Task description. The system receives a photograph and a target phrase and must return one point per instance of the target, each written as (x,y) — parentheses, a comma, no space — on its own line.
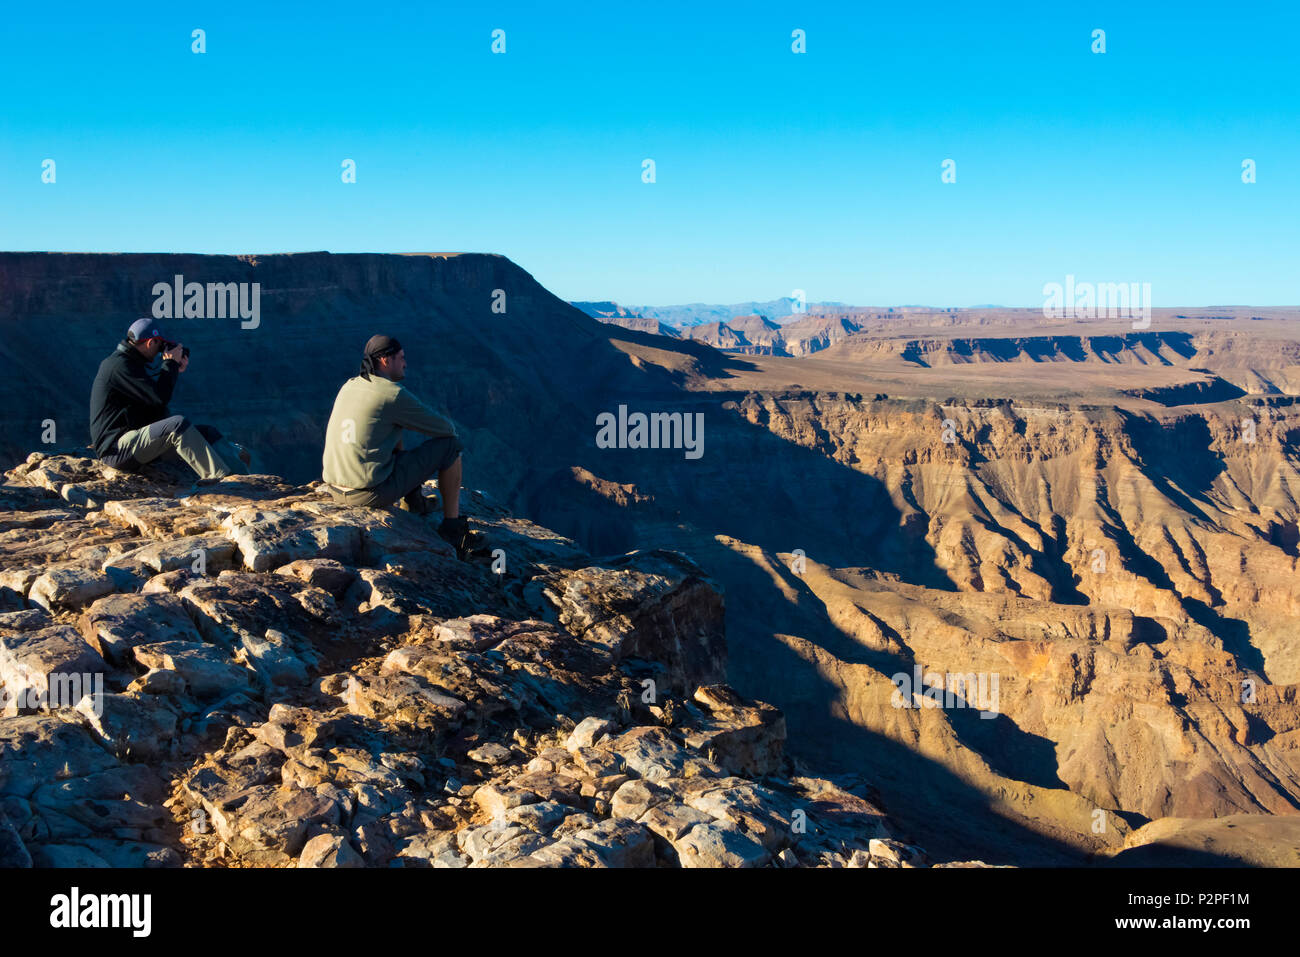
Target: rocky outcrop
(245,674)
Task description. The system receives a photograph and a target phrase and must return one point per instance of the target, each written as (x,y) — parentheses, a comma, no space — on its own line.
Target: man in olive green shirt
(364,463)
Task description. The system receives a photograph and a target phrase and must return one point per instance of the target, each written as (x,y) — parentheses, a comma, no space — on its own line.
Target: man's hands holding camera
(179,354)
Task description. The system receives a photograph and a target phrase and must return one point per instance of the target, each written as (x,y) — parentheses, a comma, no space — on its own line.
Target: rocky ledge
(244,673)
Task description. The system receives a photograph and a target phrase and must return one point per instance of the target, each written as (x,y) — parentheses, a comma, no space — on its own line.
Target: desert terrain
(1103,519)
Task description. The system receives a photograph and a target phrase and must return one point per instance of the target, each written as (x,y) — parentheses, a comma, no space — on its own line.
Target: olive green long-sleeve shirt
(365,426)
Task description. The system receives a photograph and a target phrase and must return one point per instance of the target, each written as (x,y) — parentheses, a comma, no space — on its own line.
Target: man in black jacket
(130,424)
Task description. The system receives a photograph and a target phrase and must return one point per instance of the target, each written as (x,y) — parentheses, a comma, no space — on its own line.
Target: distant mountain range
(770,328)
(700,313)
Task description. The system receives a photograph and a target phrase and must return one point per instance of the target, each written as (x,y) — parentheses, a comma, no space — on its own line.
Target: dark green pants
(411,469)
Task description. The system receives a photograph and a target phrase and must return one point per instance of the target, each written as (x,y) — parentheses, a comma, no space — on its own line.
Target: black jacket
(125,396)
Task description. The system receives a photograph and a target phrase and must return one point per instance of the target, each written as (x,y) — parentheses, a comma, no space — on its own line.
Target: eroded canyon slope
(1104,519)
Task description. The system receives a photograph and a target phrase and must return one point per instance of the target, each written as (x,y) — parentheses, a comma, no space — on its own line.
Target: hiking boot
(456,531)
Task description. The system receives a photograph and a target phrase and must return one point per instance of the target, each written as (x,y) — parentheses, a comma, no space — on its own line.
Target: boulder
(274,659)
(38,749)
(49,668)
(651,753)
(326,573)
(620,843)
(70,588)
(208,673)
(745,737)
(130,726)
(403,700)
(329,850)
(751,807)
(270,538)
(588,731)
(117,623)
(200,554)
(269,826)
(657,605)
(719,844)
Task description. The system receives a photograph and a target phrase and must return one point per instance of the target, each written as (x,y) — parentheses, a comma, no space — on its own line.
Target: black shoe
(456,532)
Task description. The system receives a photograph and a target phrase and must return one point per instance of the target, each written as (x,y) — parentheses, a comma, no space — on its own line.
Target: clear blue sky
(775,171)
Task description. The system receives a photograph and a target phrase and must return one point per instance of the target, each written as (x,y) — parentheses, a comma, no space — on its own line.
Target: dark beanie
(377,347)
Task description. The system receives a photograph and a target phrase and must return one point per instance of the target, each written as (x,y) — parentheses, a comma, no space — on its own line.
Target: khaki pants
(410,471)
(177,435)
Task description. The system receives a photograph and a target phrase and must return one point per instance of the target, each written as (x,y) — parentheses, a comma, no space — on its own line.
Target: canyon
(1103,518)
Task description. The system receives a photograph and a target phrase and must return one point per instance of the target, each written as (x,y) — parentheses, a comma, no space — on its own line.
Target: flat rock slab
(29,619)
(38,749)
(132,727)
(207,671)
(52,472)
(81,537)
(268,539)
(474,633)
(96,493)
(202,554)
(526,543)
(433,585)
(163,517)
(41,518)
(839,816)
(228,607)
(234,491)
(490,754)
(385,534)
(47,668)
(117,623)
(67,589)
